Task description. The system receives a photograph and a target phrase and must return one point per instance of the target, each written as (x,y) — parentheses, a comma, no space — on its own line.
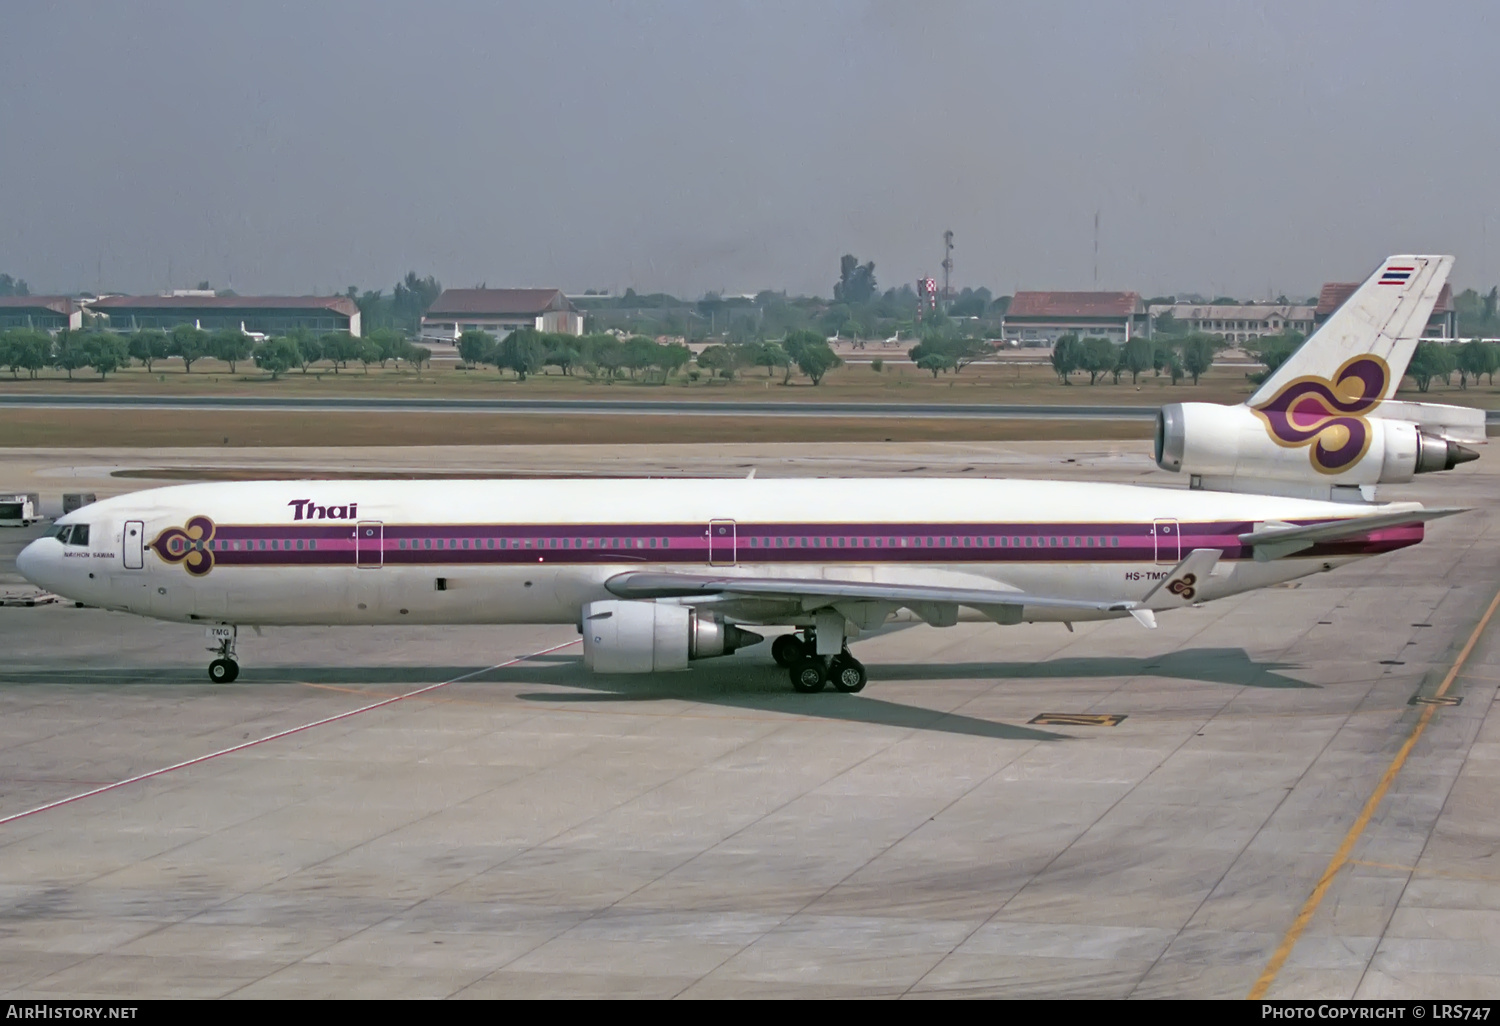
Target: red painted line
(276,736)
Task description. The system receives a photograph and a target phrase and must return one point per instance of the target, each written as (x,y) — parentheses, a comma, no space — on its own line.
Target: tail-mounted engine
(1242,448)
(640,637)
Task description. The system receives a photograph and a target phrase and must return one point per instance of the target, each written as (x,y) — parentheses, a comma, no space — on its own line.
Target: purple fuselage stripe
(625,545)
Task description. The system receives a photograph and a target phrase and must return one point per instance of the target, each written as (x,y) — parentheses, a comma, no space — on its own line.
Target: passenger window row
(248,545)
(534,543)
(1090,541)
(78,534)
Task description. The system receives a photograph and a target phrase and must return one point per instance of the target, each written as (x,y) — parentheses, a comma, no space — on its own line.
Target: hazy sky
(299,147)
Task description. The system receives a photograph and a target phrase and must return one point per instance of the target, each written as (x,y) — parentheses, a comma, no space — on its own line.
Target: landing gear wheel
(847,674)
(786,650)
(223,671)
(809,675)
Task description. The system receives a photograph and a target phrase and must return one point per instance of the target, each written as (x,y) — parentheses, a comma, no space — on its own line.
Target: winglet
(1184,582)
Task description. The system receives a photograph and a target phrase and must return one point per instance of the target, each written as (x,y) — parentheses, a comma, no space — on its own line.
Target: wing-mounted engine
(1316,446)
(642,637)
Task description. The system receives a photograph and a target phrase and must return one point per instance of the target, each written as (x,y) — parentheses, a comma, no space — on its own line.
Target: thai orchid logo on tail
(1330,417)
(1184,587)
(188,546)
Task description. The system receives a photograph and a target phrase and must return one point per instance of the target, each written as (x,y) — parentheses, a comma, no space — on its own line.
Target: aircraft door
(1167,535)
(721,543)
(369,545)
(133,544)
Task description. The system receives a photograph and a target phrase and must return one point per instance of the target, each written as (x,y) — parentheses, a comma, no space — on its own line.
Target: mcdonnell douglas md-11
(658,573)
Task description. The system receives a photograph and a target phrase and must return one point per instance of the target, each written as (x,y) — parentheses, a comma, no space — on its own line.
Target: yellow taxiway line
(1341,857)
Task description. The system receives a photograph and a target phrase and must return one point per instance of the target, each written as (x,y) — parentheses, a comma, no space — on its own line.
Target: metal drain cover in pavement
(1078,719)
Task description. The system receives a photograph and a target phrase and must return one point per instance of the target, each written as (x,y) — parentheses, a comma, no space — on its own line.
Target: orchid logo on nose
(188,546)
(1328,416)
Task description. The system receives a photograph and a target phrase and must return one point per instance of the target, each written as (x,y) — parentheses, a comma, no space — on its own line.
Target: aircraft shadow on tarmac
(740,684)
(759,686)
(1232,666)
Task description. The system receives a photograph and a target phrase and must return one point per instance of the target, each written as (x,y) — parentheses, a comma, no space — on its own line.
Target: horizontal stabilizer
(1277,540)
(1463,424)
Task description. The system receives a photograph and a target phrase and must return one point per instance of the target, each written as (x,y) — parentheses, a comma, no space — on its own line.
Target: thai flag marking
(1396,275)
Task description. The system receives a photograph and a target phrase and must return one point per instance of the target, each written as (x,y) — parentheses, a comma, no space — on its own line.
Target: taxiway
(530,829)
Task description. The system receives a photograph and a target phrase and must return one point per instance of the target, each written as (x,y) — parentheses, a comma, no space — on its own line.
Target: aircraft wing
(1273,540)
(937,605)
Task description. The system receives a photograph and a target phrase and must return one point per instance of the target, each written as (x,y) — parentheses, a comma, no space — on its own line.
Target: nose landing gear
(224,669)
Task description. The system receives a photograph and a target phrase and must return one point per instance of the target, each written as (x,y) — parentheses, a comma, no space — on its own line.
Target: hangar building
(265,315)
(46,313)
(500,312)
(1041,318)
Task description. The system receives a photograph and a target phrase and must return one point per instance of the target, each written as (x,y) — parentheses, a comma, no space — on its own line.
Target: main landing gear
(224,669)
(811,672)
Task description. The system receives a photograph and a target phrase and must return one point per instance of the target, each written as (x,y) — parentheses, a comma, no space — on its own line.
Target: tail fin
(1384,317)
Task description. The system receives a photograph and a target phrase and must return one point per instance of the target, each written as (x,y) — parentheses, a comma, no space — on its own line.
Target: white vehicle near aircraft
(20,510)
(659,573)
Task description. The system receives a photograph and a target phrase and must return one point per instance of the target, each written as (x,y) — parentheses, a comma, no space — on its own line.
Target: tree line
(1178,357)
(1192,354)
(606,356)
(31,351)
(523,352)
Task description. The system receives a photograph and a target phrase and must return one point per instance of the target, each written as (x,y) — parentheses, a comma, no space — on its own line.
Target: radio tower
(947,268)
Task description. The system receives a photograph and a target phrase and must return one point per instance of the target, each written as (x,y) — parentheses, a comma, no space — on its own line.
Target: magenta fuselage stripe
(627,544)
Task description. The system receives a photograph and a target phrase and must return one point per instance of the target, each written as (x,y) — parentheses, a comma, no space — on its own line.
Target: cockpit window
(74,534)
(54,531)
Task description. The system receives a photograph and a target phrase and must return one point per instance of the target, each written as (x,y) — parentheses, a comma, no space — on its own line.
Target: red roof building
(500,312)
(1442,324)
(1041,318)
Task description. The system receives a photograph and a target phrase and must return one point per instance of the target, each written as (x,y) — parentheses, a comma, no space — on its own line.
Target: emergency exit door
(369,544)
(721,543)
(1168,541)
(133,545)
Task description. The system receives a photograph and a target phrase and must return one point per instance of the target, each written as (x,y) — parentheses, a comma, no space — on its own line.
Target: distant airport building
(45,313)
(1238,322)
(500,312)
(1041,318)
(1443,324)
(263,315)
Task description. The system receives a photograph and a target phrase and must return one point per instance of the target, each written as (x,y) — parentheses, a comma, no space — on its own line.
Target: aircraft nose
(29,562)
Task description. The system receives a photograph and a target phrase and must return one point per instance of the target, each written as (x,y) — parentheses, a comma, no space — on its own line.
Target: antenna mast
(947,268)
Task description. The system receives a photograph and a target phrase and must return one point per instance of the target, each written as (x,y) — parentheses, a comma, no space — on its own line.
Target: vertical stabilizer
(1384,317)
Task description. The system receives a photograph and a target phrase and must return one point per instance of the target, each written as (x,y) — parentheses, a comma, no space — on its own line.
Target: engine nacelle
(1227,443)
(642,637)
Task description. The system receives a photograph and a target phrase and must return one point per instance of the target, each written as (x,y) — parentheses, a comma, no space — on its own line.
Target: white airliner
(656,573)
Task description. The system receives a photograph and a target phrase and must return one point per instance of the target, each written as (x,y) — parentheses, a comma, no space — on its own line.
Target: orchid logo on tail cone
(1328,416)
(188,546)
